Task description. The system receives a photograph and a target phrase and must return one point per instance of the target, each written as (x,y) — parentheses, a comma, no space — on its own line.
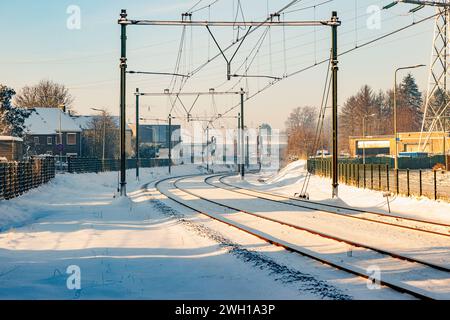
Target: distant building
(157,134)
(408,142)
(44,129)
(11,148)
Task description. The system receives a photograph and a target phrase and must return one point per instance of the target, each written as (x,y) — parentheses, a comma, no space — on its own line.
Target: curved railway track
(444,272)
(430,227)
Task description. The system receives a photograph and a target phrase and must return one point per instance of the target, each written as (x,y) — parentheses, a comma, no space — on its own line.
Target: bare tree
(101,131)
(365,103)
(301,128)
(46,94)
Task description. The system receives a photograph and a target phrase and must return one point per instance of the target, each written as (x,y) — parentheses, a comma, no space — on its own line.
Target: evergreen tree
(410,108)
(12,119)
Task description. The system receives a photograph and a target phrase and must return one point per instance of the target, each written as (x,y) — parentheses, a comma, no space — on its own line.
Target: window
(36,140)
(71,139)
(49,141)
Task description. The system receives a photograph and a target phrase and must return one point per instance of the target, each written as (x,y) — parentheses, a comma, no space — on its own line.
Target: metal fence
(90,165)
(403,162)
(428,183)
(16,178)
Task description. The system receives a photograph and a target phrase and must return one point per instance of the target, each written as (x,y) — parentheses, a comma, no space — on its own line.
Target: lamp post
(170,143)
(62,109)
(238,143)
(395,108)
(104,130)
(137,135)
(242,164)
(364,134)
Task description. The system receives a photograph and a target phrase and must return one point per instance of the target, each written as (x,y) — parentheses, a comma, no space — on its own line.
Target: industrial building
(407,142)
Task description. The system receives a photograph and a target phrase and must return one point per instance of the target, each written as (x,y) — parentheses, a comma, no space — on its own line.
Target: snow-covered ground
(289,181)
(126,249)
(147,247)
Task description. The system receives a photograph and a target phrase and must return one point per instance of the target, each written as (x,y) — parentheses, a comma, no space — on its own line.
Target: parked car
(322,153)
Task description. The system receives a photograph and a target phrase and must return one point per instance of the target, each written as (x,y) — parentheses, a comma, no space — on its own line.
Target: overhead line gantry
(272,21)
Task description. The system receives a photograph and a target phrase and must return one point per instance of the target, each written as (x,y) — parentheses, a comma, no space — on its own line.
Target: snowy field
(148,247)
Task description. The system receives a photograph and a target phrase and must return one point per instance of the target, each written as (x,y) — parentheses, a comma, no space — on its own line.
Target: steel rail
(277,243)
(304,206)
(318,233)
(336,206)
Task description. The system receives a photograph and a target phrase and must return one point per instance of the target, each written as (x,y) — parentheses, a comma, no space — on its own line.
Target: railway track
(288,236)
(347,212)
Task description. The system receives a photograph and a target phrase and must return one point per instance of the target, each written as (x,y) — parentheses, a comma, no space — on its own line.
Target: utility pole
(207,148)
(335,68)
(238,144)
(247,152)
(104,137)
(103,111)
(62,107)
(123,86)
(242,136)
(170,144)
(259,148)
(137,135)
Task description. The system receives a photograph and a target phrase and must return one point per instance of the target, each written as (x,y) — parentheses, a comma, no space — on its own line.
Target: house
(11,148)
(84,124)
(52,131)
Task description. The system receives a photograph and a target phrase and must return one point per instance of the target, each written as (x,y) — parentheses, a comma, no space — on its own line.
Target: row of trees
(13,107)
(375,107)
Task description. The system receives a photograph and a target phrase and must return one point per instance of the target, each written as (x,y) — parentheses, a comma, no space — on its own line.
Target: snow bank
(290,181)
(67,190)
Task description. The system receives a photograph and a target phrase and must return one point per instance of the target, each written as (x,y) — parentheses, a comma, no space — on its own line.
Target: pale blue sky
(36,44)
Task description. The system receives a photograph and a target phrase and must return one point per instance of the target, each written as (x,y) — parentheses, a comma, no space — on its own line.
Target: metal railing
(16,178)
(381,177)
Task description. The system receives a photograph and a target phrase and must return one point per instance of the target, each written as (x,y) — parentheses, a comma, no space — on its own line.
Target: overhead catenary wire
(199,68)
(272,83)
(317,63)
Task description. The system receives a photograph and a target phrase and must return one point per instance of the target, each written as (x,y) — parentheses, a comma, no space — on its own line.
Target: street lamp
(395,108)
(364,134)
(62,108)
(104,130)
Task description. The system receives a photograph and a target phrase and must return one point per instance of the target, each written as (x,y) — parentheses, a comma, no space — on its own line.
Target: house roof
(46,121)
(83,121)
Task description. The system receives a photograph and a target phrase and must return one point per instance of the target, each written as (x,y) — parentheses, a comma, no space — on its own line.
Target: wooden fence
(16,178)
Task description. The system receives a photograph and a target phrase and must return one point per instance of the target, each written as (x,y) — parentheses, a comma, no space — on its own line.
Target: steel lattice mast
(435,115)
